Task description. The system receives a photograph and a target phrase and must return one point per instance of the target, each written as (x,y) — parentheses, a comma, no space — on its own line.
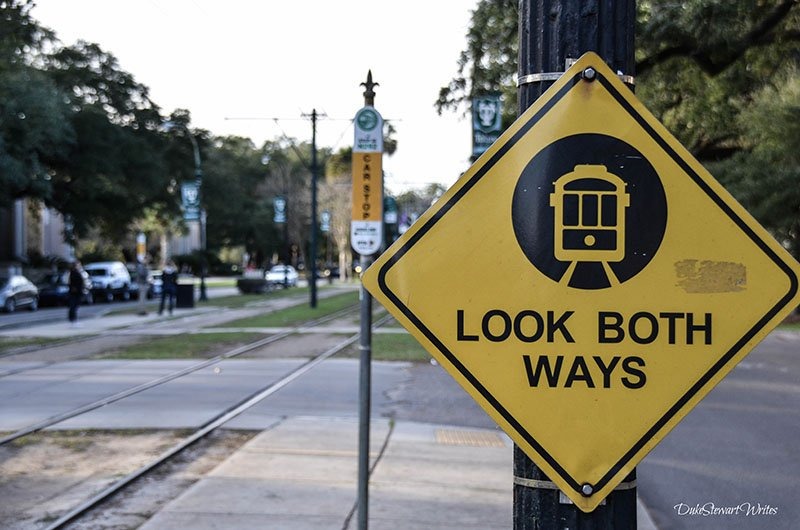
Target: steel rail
(53,420)
(66,341)
(210,426)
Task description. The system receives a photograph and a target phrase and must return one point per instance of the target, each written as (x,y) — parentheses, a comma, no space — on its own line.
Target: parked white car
(280,274)
(110,279)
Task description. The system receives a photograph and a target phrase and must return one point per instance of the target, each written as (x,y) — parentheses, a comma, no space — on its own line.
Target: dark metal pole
(287,252)
(365,366)
(313,259)
(198,177)
(365,385)
(550,33)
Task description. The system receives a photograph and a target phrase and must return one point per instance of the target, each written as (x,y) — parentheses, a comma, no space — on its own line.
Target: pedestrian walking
(169,286)
(75,294)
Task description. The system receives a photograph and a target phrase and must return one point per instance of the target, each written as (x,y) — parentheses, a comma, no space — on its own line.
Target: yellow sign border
(375,280)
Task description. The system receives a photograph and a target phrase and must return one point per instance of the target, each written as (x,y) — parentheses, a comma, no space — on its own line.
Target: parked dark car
(54,288)
(17,291)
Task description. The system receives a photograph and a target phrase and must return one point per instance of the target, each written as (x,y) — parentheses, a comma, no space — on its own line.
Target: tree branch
(761,34)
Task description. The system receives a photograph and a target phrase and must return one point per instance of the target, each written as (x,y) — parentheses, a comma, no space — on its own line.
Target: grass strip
(297,315)
(237,301)
(185,346)
(12,343)
(392,347)
(234,301)
(227,282)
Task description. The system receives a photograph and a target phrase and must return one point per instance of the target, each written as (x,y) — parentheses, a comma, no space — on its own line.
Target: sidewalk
(201,318)
(99,324)
(302,475)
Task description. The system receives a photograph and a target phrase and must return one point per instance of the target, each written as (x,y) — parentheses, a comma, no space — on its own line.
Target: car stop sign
(587,282)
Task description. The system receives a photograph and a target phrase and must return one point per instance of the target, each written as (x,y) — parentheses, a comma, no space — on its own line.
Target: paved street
(737,447)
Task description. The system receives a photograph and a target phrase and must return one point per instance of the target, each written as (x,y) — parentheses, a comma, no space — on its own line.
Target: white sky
(279,59)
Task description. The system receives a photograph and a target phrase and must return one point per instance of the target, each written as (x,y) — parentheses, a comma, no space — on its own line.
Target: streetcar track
(54,420)
(67,341)
(211,425)
(37,348)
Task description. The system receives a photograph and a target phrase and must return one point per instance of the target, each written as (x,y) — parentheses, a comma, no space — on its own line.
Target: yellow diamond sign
(587,282)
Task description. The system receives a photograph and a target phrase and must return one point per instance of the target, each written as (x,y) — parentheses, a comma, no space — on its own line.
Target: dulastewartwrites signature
(710,509)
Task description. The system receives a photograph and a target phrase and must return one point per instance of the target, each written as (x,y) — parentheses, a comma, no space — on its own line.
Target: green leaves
(34,125)
(722,75)
(76,131)
(489,62)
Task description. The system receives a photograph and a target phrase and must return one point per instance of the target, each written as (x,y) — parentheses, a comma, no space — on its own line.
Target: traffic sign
(587,281)
(366,227)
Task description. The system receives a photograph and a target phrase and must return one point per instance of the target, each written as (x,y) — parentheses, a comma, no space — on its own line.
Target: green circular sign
(367,119)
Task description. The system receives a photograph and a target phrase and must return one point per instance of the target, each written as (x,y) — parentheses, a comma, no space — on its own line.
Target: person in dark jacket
(169,286)
(75,286)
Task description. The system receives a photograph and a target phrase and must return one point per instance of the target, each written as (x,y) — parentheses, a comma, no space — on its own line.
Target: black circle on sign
(533,216)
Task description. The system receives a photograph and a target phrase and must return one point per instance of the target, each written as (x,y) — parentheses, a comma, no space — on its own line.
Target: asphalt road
(734,461)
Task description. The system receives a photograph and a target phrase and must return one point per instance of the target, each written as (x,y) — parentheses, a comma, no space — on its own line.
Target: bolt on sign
(366,227)
(587,281)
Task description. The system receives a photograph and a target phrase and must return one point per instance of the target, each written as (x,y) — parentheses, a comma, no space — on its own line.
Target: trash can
(184,297)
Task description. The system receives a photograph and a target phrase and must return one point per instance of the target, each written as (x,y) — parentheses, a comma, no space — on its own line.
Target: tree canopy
(80,134)
(77,132)
(722,75)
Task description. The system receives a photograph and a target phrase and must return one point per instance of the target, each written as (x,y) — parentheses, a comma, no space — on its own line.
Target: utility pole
(551,32)
(312,282)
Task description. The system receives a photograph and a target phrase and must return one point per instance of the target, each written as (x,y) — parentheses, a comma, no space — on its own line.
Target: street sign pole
(364,397)
(546,44)
(366,235)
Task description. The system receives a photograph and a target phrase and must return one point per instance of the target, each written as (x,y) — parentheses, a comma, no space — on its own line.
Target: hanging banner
(190,200)
(486,122)
(279,207)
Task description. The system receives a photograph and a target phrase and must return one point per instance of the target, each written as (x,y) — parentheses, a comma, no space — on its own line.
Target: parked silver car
(17,291)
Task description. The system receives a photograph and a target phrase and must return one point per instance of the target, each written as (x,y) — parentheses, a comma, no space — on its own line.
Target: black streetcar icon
(589,211)
(589,218)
